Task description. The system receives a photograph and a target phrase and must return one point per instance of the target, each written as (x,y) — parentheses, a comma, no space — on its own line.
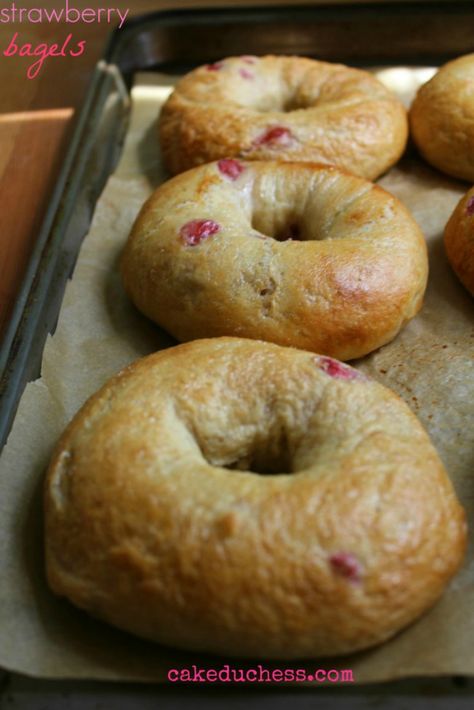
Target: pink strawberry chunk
(215,66)
(246,74)
(248,58)
(276,136)
(231,168)
(194,232)
(346,565)
(337,369)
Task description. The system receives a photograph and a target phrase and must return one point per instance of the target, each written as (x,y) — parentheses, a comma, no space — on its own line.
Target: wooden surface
(36,118)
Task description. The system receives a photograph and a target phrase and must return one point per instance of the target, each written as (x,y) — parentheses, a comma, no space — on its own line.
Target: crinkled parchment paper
(430,364)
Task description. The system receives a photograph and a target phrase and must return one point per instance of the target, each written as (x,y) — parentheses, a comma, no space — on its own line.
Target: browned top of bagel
(442,118)
(294,253)
(283,108)
(155,521)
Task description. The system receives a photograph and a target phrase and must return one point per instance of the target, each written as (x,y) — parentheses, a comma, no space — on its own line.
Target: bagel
(294,253)
(242,498)
(442,119)
(459,240)
(283,108)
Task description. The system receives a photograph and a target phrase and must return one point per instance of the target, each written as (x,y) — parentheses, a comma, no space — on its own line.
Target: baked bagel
(459,240)
(442,119)
(238,497)
(283,108)
(294,253)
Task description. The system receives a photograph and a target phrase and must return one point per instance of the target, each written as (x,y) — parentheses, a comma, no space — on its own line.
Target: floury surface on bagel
(442,119)
(283,108)
(237,497)
(294,253)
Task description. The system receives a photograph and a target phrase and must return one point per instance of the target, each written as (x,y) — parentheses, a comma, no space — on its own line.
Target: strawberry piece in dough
(231,168)
(194,232)
(346,565)
(215,66)
(337,369)
(246,74)
(278,136)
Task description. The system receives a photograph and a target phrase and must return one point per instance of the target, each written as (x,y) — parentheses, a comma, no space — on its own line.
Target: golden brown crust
(442,119)
(147,528)
(459,240)
(354,277)
(331,113)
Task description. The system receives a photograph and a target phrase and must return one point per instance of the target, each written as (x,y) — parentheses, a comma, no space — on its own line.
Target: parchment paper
(430,364)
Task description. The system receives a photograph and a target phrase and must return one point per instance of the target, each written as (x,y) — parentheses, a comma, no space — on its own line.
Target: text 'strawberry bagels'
(459,240)
(238,497)
(294,253)
(442,119)
(283,108)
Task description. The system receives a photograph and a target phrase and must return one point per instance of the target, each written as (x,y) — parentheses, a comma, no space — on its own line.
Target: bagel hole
(266,458)
(289,230)
(286,105)
(261,466)
(293,103)
(270,101)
